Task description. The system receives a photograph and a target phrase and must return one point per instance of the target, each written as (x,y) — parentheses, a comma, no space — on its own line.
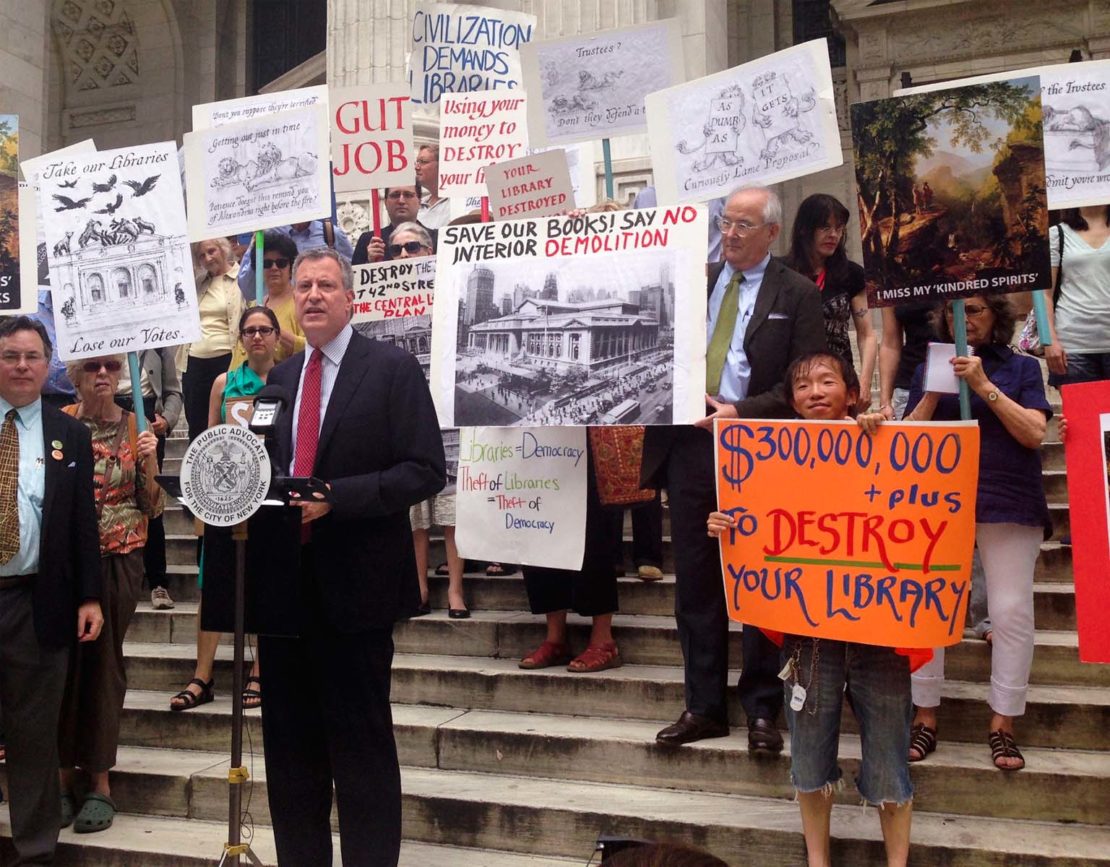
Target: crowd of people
(82,515)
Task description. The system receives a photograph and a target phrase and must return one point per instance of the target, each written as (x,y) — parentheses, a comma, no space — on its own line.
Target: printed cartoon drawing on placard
(1080,139)
(268,168)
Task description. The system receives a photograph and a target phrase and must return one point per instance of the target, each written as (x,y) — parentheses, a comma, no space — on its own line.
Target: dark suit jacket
(69,544)
(380,450)
(786,323)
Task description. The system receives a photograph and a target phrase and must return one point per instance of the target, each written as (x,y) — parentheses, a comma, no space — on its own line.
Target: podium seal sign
(225,475)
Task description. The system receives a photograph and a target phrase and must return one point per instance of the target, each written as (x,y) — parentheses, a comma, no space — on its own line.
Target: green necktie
(721,340)
(9,488)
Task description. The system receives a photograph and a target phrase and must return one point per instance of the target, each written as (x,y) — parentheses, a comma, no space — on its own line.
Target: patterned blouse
(129,497)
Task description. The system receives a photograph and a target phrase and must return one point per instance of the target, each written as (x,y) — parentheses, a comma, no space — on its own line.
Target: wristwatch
(992,395)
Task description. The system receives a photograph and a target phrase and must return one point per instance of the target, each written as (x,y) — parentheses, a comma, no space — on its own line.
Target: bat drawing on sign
(68,204)
(111,207)
(141,189)
(68,184)
(105,188)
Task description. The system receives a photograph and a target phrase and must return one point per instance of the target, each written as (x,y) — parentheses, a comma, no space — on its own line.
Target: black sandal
(923,739)
(1003,746)
(443,570)
(252,698)
(189,699)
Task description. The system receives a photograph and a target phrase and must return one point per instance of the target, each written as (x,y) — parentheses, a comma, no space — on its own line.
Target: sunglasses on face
(94,366)
(410,247)
(275,263)
(258,330)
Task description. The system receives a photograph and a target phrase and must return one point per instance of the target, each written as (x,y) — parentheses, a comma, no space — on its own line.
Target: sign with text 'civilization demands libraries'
(458,48)
(399,289)
(521,495)
(371,137)
(532,186)
(476,130)
(848,536)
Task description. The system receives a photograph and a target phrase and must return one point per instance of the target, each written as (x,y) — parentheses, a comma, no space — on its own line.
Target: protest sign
(1087,451)
(120,268)
(521,496)
(760,123)
(532,186)
(597,319)
(398,289)
(589,87)
(269,171)
(11,250)
(458,48)
(476,130)
(1074,98)
(213,114)
(885,560)
(951,192)
(371,137)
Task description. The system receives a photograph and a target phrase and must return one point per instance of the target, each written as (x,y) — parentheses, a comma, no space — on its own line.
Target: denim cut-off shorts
(878,691)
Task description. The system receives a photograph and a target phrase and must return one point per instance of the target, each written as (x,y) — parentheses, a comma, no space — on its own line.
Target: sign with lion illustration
(255,174)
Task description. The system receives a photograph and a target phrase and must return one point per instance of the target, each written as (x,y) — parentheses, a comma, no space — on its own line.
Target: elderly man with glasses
(760,316)
(402,204)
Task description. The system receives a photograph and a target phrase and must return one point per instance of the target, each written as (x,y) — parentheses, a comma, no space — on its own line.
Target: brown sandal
(923,739)
(596,657)
(1003,746)
(546,655)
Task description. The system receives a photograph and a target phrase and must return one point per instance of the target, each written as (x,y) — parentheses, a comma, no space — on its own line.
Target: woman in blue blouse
(1011,514)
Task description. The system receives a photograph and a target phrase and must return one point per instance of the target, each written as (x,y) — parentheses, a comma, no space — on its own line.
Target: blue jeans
(1087,367)
(877,683)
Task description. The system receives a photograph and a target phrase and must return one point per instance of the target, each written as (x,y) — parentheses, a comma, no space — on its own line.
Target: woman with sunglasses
(1011,513)
(279,252)
(126,497)
(259,335)
(817,251)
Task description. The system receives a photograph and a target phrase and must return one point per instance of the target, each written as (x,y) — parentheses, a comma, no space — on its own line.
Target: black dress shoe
(458,613)
(424,610)
(691,727)
(763,737)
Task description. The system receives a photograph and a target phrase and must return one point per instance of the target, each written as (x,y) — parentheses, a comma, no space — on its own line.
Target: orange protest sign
(848,536)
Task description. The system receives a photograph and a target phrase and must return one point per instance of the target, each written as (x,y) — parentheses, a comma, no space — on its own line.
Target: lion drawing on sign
(273,169)
(721,131)
(232,173)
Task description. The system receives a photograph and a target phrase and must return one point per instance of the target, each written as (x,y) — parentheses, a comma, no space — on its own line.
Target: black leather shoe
(691,727)
(458,613)
(763,737)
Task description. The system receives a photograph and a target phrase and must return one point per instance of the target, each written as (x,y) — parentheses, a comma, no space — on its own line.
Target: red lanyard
(820,280)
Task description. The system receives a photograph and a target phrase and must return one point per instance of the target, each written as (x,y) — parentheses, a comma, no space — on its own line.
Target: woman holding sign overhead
(1011,513)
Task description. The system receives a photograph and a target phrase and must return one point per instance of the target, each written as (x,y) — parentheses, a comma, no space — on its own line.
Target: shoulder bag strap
(113,459)
(1059,268)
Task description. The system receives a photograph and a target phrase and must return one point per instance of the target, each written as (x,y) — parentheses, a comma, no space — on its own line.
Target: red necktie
(308,425)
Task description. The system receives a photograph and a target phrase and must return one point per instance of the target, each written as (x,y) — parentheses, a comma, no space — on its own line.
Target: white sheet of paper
(399,289)
(939,376)
(371,137)
(521,495)
(213,114)
(477,130)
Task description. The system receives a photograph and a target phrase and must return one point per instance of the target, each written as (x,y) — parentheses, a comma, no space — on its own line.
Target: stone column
(23,58)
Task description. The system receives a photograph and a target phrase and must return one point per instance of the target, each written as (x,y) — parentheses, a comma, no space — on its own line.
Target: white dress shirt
(737,373)
(333,353)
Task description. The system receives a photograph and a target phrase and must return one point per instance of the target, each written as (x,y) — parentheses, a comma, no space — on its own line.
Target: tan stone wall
(22,59)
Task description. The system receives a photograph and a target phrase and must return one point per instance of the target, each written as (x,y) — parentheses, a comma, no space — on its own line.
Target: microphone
(268,405)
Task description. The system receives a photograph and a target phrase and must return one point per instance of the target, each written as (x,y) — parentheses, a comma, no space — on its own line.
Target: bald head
(752,221)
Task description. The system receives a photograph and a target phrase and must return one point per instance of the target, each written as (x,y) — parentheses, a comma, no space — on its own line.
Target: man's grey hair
(413,228)
(772,207)
(314,253)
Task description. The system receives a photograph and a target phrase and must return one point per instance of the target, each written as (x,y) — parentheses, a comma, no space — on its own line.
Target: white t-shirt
(1083,312)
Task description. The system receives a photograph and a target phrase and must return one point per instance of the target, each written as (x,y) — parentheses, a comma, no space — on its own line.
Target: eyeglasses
(94,366)
(969,309)
(421,161)
(267,264)
(410,247)
(741,228)
(258,330)
(400,194)
(13,358)
(832,230)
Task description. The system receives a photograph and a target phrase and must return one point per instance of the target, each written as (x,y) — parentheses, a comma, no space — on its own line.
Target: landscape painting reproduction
(9,210)
(952,193)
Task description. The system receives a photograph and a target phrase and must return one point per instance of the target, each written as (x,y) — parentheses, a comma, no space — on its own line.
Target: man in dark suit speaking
(363,421)
(760,317)
(49,578)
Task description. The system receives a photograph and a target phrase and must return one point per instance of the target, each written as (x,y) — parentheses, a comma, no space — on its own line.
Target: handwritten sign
(762,122)
(371,137)
(1087,409)
(593,319)
(255,174)
(532,186)
(213,114)
(121,274)
(399,289)
(591,87)
(458,48)
(846,536)
(521,495)
(477,129)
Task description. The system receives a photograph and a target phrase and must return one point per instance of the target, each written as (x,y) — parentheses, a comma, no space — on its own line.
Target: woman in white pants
(1011,514)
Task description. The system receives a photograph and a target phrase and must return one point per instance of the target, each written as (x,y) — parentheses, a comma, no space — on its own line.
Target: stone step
(958,778)
(137,840)
(1075,717)
(644,639)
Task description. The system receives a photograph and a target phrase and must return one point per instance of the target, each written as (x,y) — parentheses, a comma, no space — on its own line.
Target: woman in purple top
(1011,514)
